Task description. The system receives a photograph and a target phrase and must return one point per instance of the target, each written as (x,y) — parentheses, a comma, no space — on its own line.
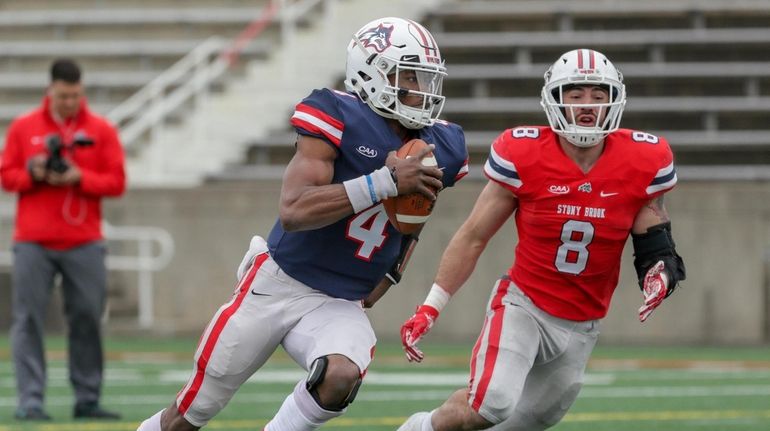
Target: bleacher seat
(696,72)
(121,45)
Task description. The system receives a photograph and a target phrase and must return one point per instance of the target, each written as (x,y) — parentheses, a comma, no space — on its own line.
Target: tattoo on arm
(656,205)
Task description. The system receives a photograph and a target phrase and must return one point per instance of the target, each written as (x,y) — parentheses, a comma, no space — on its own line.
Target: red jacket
(62,217)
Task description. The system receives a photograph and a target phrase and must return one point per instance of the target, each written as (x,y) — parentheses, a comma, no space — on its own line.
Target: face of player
(589,95)
(407,82)
(65,98)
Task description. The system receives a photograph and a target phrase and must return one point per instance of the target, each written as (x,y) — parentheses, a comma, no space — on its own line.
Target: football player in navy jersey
(332,250)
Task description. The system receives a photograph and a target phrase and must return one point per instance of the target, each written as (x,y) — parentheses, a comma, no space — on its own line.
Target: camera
(56,162)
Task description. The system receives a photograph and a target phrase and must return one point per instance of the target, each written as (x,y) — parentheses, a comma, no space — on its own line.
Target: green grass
(630,388)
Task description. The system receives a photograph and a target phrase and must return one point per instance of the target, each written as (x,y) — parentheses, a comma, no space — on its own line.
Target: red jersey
(62,217)
(572,226)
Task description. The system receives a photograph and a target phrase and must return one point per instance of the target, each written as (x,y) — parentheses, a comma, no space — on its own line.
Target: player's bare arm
(653,213)
(493,207)
(308,199)
(379,291)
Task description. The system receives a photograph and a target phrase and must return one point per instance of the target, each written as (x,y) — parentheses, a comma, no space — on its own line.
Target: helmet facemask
(417,90)
(407,88)
(562,116)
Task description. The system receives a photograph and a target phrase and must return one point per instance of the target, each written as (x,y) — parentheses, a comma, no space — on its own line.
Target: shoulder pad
(319,115)
(652,154)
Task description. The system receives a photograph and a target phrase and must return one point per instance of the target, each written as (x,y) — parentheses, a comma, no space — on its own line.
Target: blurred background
(202,91)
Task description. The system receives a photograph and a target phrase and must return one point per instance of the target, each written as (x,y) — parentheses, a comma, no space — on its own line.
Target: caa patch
(377,37)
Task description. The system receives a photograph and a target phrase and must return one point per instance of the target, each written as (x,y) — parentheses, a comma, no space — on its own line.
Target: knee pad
(316,376)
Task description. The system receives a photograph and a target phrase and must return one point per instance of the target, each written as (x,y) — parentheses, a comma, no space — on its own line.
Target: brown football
(408,213)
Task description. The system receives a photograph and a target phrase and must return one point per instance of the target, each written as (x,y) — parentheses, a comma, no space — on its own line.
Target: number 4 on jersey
(368,229)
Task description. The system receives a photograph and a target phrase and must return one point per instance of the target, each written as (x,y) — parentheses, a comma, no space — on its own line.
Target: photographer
(61,160)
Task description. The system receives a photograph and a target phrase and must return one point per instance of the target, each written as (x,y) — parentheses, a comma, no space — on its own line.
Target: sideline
(688,415)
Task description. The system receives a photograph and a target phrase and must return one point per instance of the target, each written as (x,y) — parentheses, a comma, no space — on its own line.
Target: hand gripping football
(407,213)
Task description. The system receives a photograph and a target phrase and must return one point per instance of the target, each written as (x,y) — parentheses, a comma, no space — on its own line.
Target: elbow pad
(655,245)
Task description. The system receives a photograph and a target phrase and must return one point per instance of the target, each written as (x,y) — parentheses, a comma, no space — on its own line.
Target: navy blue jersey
(348,258)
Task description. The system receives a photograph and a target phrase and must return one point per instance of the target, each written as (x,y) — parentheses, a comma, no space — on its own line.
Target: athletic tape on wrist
(384,186)
(358,193)
(437,298)
(367,190)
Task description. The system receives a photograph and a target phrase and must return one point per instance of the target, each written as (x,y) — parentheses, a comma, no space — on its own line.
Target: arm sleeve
(318,115)
(110,178)
(665,177)
(500,167)
(14,175)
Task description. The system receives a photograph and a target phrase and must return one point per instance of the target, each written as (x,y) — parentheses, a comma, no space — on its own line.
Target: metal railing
(147,109)
(144,262)
(154,250)
(190,78)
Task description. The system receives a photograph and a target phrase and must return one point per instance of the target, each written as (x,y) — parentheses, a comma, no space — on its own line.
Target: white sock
(300,412)
(426,424)
(151,424)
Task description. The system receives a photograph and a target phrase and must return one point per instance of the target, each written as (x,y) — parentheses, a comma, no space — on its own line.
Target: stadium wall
(722,230)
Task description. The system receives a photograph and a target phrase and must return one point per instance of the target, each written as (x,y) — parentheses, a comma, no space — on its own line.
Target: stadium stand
(122,45)
(697,73)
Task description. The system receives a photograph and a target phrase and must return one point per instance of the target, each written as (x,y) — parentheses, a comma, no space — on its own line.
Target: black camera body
(53,142)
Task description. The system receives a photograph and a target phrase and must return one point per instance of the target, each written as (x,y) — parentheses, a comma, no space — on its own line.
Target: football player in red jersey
(575,198)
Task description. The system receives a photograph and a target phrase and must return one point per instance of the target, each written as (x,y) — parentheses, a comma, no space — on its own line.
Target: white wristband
(437,297)
(384,186)
(358,193)
(367,190)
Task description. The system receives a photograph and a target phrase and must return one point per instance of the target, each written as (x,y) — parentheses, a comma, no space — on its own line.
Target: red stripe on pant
(213,337)
(493,343)
(475,352)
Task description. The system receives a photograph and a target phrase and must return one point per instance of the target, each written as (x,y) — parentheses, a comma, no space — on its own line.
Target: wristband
(367,190)
(384,186)
(437,297)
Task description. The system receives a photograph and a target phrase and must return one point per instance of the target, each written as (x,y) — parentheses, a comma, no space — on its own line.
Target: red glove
(654,289)
(414,328)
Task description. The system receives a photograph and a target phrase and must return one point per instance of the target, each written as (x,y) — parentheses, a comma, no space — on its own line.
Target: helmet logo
(377,37)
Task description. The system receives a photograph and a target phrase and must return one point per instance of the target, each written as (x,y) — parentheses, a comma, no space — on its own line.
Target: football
(408,213)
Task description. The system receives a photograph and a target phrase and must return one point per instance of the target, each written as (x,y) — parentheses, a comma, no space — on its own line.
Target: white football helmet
(583,67)
(389,47)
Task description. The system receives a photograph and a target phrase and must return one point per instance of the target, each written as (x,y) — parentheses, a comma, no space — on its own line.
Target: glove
(256,246)
(655,289)
(414,328)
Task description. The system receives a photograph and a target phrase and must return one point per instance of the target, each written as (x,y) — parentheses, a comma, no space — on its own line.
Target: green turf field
(644,389)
